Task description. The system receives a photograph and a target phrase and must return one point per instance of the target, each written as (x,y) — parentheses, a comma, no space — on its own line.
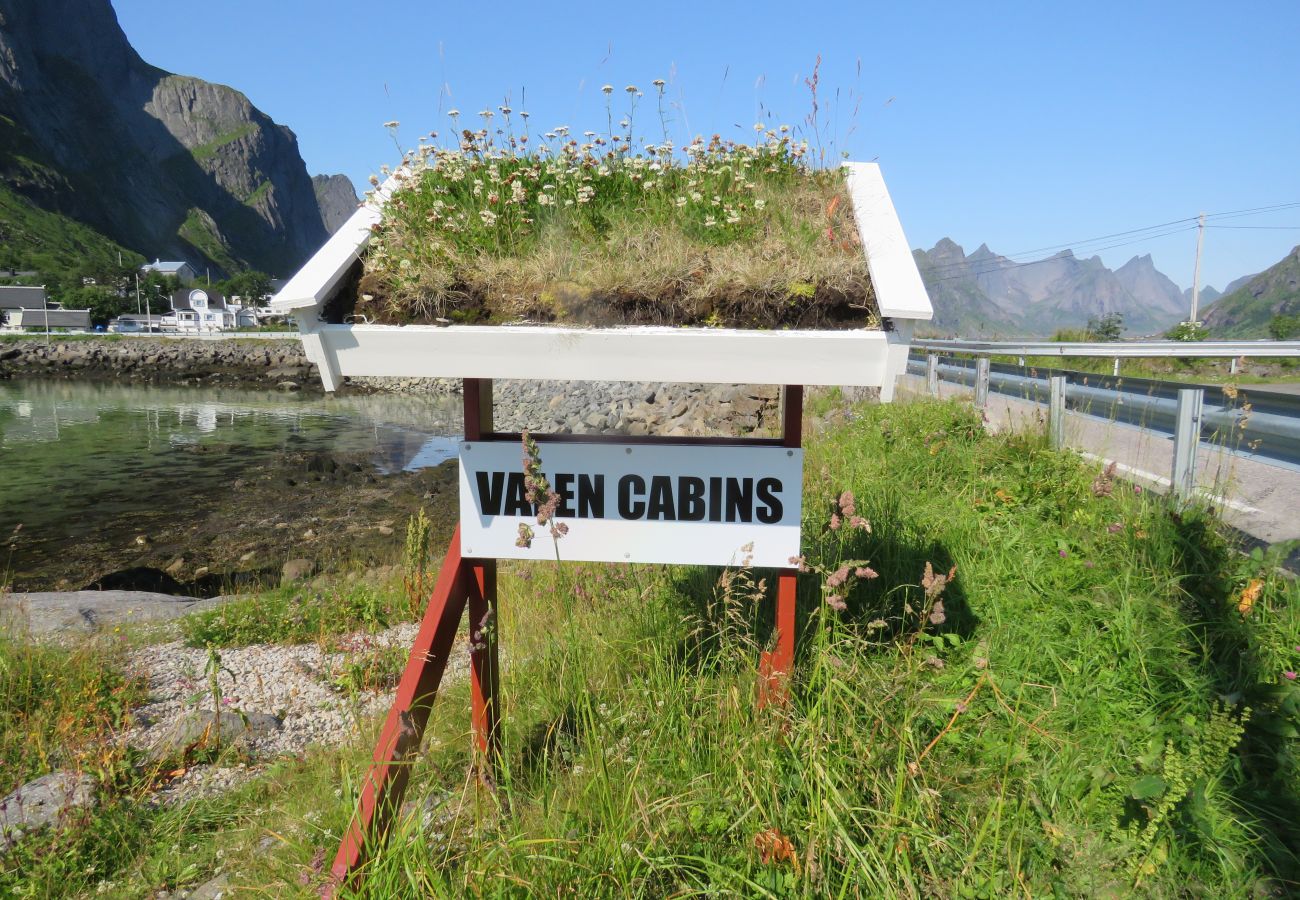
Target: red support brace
(381,793)
(774,666)
(484,670)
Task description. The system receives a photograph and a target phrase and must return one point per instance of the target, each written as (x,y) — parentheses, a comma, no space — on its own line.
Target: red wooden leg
(484,670)
(775,665)
(381,794)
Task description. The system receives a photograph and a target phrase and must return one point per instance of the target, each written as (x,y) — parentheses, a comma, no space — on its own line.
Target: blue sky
(1022,125)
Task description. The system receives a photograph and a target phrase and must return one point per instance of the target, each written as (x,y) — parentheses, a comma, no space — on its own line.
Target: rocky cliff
(164,164)
(337,199)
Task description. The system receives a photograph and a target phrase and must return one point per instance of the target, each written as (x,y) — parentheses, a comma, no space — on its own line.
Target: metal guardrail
(1116,349)
(1259,425)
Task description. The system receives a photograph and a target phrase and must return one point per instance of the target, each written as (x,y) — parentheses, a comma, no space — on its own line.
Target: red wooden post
(485,674)
(775,665)
(381,794)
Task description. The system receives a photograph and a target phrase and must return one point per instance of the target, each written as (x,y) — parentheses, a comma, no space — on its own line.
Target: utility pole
(1196,274)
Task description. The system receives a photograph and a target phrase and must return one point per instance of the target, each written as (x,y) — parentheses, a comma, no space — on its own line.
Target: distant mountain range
(985,294)
(1245,310)
(94,141)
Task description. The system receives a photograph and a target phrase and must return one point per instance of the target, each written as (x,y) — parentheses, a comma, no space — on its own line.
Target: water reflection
(76,457)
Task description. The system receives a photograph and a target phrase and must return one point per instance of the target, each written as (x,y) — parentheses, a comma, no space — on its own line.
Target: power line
(1253,211)
(1083,246)
(1273,227)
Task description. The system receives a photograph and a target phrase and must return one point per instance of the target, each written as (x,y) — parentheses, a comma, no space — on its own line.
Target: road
(1260,500)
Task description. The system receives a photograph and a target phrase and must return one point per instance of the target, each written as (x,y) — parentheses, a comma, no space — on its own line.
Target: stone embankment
(569,406)
(161,360)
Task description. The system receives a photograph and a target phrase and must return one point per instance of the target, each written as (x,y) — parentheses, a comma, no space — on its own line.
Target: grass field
(1100,702)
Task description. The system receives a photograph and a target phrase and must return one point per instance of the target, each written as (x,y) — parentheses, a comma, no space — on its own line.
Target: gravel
(295,683)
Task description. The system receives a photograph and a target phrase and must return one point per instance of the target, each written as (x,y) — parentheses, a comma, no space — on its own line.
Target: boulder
(43,802)
(296,570)
(211,730)
(54,613)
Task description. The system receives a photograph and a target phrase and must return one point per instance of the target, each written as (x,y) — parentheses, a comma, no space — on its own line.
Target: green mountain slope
(57,247)
(1246,312)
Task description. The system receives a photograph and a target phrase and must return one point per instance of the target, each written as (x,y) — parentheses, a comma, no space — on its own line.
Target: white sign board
(657,503)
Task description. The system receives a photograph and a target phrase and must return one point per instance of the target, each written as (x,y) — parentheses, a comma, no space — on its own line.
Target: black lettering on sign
(517,496)
(591,497)
(661,499)
(715,499)
(769,509)
(740,499)
(690,499)
(489,491)
(564,487)
(628,486)
(491,496)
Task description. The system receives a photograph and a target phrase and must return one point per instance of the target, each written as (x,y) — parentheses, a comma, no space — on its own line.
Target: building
(182,271)
(51,319)
(13,296)
(205,309)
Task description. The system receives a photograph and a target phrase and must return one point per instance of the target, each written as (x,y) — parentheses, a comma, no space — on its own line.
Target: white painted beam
(708,355)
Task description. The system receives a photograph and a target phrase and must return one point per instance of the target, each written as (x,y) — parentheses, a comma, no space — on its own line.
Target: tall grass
(1076,724)
(1099,706)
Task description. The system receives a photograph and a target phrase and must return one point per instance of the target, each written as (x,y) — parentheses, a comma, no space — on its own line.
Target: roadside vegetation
(609,226)
(1017,675)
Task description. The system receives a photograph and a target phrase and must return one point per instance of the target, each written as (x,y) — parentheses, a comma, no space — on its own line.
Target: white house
(181,270)
(205,309)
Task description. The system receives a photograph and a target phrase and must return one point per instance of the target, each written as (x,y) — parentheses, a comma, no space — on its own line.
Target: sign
(655,503)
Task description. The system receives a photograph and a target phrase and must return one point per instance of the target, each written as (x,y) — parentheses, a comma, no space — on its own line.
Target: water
(79,458)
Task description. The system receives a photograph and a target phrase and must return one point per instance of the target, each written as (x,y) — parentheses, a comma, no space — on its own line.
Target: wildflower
(835,523)
(1089,564)
(631,89)
(659,83)
(393,124)
(453,113)
(937,613)
(488,216)
(860,523)
(934,662)
(1062,553)
(680,201)
(374,180)
(866,572)
(836,602)
(1289,675)
(505,110)
(760,203)
(525,539)
(1249,594)
(607,89)
(838,577)
(1115,527)
(486,113)
(935,584)
(1137,488)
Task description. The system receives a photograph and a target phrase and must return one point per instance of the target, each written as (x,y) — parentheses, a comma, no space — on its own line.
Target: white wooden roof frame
(709,355)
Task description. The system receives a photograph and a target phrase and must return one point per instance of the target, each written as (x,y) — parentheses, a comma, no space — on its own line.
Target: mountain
(165,165)
(1209,294)
(337,199)
(988,294)
(1246,311)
